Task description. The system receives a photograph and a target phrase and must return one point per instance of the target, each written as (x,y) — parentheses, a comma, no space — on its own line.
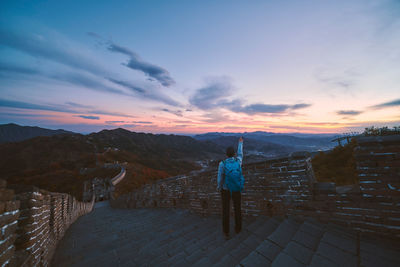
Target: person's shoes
(227,236)
(238,231)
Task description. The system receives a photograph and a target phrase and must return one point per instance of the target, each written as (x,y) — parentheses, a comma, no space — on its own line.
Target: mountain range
(54,159)
(272,144)
(15,133)
(56,162)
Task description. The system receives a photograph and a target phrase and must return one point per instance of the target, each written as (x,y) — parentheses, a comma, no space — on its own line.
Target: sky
(189,67)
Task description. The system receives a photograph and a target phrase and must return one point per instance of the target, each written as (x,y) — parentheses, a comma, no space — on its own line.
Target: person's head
(230,152)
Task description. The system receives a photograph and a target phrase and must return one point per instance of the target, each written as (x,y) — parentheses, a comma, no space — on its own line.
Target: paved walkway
(169,237)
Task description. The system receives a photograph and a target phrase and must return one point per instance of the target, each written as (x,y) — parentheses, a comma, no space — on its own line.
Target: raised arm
(220,179)
(240,150)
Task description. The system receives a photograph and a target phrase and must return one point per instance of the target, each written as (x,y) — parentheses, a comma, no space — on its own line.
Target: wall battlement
(32,221)
(269,186)
(286,186)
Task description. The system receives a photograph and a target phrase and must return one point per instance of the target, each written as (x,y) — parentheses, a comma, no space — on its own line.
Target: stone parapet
(32,221)
(286,186)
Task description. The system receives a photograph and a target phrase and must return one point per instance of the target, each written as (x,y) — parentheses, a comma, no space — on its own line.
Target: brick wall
(269,186)
(9,214)
(286,186)
(373,206)
(34,221)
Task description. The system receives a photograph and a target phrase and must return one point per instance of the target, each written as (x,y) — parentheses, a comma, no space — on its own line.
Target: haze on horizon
(201,66)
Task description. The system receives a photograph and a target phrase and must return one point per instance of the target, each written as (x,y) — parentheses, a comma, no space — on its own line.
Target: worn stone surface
(175,237)
(299,252)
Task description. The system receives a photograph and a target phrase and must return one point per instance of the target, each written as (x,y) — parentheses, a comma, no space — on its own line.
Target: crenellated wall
(119,177)
(286,186)
(9,214)
(33,221)
(269,186)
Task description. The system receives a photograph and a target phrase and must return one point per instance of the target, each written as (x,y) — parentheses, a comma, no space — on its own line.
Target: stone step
(299,251)
(231,244)
(171,237)
(174,246)
(268,241)
(186,244)
(236,240)
(256,258)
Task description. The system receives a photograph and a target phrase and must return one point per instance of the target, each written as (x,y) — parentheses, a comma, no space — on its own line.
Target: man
(230,184)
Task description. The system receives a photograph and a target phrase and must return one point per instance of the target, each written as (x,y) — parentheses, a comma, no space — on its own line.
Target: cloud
(128,125)
(32,106)
(51,46)
(81,79)
(344,79)
(349,112)
(95,35)
(77,105)
(260,108)
(300,106)
(56,108)
(136,63)
(112,122)
(8,114)
(267,108)
(127,85)
(54,47)
(184,121)
(110,113)
(94,83)
(394,103)
(175,112)
(7,67)
(87,81)
(216,90)
(143,122)
(217,94)
(215,117)
(89,117)
(150,93)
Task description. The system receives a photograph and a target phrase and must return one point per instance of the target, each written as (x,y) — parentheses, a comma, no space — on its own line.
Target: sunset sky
(200,66)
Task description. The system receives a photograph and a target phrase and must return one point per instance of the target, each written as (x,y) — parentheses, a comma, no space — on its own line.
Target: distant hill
(251,146)
(15,133)
(55,162)
(154,145)
(275,142)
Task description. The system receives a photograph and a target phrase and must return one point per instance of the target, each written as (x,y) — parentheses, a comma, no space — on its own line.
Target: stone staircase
(170,237)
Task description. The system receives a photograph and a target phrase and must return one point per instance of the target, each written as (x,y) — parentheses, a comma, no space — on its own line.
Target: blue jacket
(221,174)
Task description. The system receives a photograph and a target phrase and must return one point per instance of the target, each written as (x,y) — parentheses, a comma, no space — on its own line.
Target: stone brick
(284,233)
(2,207)
(8,230)
(6,194)
(6,255)
(268,249)
(299,252)
(318,261)
(11,205)
(342,242)
(336,255)
(255,259)
(8,218)
(6,242)
(284,260)
(306,240)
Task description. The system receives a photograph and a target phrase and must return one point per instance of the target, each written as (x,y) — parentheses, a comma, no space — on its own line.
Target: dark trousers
(226,197)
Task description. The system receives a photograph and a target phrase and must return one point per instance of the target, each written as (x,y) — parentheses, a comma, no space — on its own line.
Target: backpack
(233,175)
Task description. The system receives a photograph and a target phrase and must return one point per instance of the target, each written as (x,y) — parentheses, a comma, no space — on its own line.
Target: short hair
(230,151)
